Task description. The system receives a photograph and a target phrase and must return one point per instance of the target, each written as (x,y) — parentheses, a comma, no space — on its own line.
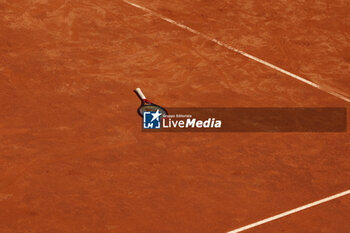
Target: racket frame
(146,102)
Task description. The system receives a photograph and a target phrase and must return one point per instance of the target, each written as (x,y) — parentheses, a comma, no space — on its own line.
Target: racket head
(147,106)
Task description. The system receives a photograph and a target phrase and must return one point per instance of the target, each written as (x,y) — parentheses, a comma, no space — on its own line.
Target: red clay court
(73,157)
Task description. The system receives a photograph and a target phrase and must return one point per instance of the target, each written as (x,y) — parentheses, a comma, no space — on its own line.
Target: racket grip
(139,92)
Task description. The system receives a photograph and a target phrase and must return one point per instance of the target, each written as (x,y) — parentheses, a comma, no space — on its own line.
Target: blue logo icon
(151,120)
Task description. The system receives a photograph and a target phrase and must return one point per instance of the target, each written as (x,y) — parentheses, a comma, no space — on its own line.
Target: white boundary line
(331,92)
(347,192)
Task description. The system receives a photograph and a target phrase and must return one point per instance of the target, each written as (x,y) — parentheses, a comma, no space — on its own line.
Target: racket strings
(152,108)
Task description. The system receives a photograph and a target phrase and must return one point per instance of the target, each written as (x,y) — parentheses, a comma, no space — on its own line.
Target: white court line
(331,92)
(347,192)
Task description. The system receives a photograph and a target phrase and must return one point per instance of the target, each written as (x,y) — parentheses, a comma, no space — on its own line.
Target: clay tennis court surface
(72,154)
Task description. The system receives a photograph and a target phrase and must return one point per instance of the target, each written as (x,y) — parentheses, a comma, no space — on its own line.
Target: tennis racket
(148,106)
